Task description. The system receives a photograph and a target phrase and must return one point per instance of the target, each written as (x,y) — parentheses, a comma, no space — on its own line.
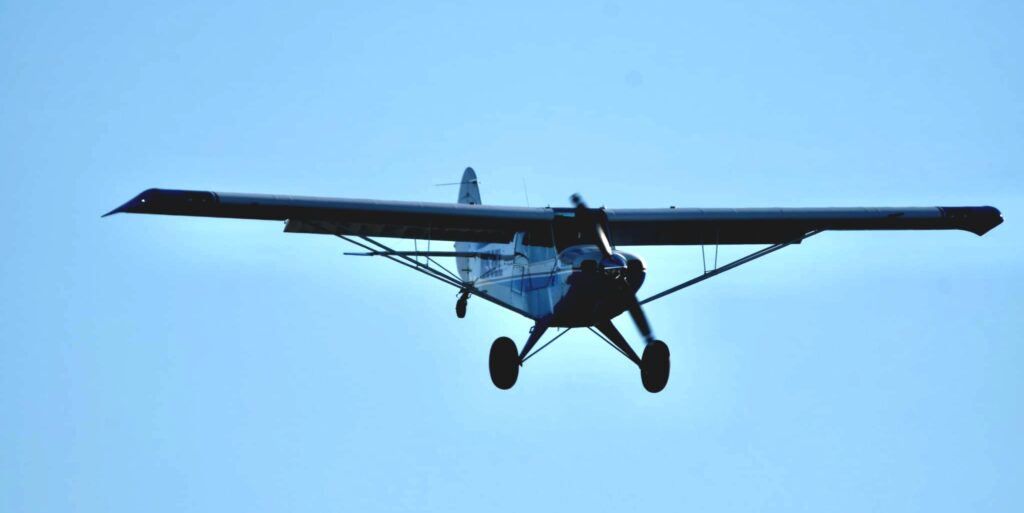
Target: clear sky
(170,364)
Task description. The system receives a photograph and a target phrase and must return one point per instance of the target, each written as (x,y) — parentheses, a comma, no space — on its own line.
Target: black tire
(504,363)
(654,366)
(460,308)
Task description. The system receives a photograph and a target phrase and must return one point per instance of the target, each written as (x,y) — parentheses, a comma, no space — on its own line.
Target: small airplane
(556,266)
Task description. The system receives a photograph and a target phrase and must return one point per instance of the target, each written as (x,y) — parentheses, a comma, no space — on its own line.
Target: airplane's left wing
(696,226)
(399,219)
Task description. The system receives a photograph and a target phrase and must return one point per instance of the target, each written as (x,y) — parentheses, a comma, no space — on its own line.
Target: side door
(520,264)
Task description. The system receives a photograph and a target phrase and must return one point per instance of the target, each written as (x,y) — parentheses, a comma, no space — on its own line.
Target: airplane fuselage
(572,287)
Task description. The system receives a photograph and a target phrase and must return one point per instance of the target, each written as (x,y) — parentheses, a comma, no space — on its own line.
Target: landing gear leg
(654,366)
(609,330)
(535,334)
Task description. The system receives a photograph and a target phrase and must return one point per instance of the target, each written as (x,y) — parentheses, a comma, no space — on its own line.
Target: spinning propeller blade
(639,318)
(602,239)
(633,303)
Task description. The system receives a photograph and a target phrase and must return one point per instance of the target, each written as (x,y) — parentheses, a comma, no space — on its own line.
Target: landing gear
(504,363)
(505,359)
(460,305)
(654,366)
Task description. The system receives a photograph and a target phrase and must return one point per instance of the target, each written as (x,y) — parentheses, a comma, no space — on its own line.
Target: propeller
(593,217)
(587,214)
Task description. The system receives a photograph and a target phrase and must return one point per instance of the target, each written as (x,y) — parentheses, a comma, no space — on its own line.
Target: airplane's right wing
(305,214)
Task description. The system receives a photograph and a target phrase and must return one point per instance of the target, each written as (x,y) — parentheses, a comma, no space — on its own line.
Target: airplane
(559,267)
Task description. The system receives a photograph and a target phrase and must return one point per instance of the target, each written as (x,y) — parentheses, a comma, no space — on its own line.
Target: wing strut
(402,258)
(731,265)
(633,358)
(398,258)
(541,348)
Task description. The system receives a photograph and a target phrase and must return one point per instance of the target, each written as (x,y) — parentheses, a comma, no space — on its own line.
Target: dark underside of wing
(687,226)
(400,219)
(485,223)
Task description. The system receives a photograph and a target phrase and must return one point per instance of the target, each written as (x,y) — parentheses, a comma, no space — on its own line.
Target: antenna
(455,183)
(526,192)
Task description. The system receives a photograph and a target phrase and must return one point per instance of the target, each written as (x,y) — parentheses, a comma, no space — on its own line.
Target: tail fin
(469,193)
(469,190)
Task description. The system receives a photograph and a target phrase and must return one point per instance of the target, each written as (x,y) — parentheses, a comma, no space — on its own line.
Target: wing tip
(168,201)
(977,220)
(131,205)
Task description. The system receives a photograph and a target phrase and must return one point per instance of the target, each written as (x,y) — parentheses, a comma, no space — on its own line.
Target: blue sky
(173,364)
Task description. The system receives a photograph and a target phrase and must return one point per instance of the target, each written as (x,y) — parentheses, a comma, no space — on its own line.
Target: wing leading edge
(484,223)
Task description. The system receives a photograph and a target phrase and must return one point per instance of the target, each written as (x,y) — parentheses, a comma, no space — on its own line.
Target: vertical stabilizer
(469,193)
(469,190)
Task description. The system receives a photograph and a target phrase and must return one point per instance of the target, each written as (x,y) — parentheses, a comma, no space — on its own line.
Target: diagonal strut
(732,265)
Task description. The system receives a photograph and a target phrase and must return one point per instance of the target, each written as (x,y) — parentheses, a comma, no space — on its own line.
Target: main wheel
(504,363)
(460,307)
(654,366)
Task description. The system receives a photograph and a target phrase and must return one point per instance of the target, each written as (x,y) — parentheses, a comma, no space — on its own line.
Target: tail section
(469,193)
(469,190)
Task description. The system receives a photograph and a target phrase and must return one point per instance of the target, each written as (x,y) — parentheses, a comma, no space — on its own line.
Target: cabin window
(518,274)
